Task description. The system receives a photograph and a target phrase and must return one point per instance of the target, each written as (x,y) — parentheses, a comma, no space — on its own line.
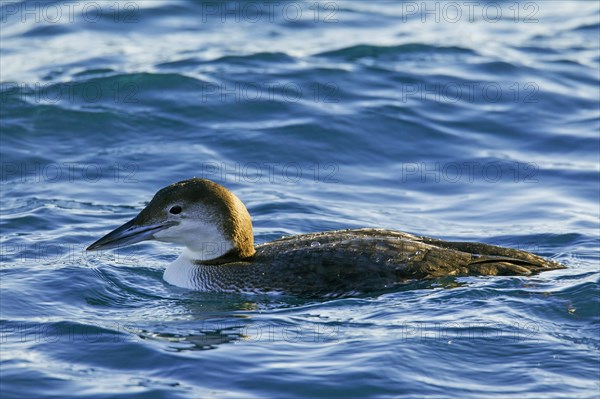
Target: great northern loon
(219,255)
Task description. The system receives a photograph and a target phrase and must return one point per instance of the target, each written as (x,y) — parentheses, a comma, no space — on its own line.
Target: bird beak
(130,233)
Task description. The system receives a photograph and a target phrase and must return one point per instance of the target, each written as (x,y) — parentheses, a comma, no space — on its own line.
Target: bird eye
(175,210)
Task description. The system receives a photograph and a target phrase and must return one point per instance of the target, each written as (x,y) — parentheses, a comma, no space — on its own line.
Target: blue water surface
(465,121)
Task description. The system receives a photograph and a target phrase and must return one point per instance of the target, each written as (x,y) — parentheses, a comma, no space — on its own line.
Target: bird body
(215,227)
